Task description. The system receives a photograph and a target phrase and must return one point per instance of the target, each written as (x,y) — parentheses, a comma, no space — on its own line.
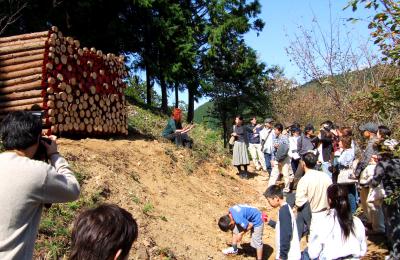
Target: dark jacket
(327,145)
(305,144)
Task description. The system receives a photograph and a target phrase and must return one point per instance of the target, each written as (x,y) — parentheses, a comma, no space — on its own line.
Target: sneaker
(230,251)
(244,176)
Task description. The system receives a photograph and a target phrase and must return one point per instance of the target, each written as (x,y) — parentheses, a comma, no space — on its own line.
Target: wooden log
(21,42)
(21,73)
(21,95)
(21,54)
(22,47)
(5,110)
(23,59)
(21,87)
(21,80)
(23,66)
(21,102)
(24,36)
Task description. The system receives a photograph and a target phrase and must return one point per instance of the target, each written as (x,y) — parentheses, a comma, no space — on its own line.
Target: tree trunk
(24,36)
(191,92)
(148,87)
(176,95)
(164,95)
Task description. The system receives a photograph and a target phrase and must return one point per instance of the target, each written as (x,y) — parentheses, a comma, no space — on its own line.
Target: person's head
(106,232)
(296,131)
(268,122)
(226,223)
(274,195)
(310,160)
(338,200)
(345,142)
(239,120)
(383,132)
(177,114)
(21,131)
(278,128)
(309,130)
(369,129)
(345,131)
(327,125)
(253,120)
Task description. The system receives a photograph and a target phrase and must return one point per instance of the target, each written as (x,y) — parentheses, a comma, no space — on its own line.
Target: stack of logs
(79,90)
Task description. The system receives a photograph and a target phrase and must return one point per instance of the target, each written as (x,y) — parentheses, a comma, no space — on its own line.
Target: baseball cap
(370,127)
(268,120)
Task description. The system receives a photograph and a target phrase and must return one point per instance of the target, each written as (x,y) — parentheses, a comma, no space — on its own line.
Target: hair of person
(384,131)
(224,223)
(177,114)
(20,130)
(279,126)
(239,117)
(274,191)
(346,141)
(100,232)
(338,200)
(346,131)
(328,122)
(310,159)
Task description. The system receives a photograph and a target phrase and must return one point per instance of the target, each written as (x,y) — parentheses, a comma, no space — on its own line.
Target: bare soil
(177,204)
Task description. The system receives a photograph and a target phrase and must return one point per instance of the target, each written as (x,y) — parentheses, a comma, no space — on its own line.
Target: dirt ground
(177,210)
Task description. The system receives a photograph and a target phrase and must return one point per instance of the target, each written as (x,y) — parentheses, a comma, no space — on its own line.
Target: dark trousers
(268,165)
(392,223)
(295,164)
(180,139)
(303,220)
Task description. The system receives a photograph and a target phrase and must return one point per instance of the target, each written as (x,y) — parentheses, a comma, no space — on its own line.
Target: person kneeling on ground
(286,236)
(175,132)
(27,185)
(243,218)
(106,232)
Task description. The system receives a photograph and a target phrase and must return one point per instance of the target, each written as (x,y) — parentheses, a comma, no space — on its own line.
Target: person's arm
(60,184)
(285,232)
(301,193)
(363,163)
(379,172)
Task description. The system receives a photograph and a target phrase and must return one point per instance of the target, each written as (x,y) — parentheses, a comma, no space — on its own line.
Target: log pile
(79,90)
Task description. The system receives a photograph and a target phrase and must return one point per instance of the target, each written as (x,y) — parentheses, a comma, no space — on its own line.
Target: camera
(41,153)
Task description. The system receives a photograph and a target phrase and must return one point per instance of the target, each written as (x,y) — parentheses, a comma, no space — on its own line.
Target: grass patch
(147,208)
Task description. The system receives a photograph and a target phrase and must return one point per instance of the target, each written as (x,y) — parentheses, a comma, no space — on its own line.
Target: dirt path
(176,204)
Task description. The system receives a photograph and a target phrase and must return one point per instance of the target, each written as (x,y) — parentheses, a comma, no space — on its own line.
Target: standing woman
(339,235)
(240,156)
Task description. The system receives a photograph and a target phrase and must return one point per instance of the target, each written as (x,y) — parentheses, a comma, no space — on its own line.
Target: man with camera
(27,184)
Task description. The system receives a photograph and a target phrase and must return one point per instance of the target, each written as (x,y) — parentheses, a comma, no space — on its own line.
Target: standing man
(267,145)
(255,145)
(369,131)
(280,159)
(27,185)
(311,193)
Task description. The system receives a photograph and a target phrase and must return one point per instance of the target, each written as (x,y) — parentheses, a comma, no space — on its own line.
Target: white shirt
(293,147)
(269,143)
(326,240)
(312,187)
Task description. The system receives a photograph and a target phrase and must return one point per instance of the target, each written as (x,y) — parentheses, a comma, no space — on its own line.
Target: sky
(282,18)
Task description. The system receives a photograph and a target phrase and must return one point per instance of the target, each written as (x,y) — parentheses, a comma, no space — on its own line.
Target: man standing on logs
(27,185)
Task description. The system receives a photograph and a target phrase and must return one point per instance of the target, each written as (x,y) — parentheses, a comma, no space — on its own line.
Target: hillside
(176,195)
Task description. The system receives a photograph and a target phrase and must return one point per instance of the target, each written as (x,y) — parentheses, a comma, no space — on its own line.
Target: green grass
(147,208)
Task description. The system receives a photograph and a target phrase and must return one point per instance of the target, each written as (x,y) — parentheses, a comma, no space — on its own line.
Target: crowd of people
(325,176)
(29,185)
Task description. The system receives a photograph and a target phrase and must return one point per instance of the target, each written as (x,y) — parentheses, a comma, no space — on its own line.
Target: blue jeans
(352,197)
(325,168)
(268,165)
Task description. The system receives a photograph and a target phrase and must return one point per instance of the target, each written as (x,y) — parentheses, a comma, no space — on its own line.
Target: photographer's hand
(51,148)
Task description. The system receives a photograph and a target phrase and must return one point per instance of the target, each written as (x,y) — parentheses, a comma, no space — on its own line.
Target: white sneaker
(229,251)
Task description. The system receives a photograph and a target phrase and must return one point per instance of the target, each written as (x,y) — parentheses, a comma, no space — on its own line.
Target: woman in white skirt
(240,156)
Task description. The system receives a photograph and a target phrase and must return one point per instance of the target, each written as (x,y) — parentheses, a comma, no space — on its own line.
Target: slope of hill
(176,195)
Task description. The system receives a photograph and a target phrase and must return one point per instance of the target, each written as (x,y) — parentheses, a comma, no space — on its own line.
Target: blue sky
(282,18)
